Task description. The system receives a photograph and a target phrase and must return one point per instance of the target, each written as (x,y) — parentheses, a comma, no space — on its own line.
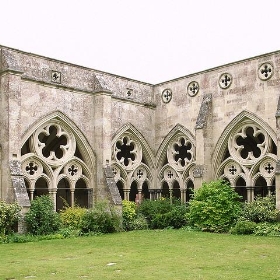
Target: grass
(165,254)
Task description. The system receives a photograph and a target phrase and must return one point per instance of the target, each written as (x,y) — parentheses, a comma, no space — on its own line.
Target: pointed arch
(82,143)
(146,149)
(222,143)
(161,152)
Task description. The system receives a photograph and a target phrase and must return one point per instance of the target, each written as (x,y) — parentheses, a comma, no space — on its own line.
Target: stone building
(81,134)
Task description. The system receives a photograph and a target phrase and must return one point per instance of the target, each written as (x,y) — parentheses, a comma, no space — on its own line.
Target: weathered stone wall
(101,104)
(246,92)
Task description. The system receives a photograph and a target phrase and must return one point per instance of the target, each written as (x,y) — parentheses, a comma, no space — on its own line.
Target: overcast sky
(147,40)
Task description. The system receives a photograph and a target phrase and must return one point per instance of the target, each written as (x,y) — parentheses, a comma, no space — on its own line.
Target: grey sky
(151,41)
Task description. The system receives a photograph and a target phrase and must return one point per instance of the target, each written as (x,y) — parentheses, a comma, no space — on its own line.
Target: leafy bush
(102,218)
(71,217)
(139,223)
(9,216)
(262,209)
(244,227)
(162,214)
(214,207)
(268,229)
(41,219)
(151,208)
(129,214)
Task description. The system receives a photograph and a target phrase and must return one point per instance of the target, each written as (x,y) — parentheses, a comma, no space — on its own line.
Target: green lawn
(166,254)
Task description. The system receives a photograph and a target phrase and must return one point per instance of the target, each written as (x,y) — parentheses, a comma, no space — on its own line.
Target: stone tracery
(49,154)
(251,155)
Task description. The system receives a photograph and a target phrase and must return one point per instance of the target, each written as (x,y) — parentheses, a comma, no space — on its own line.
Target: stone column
(183,196)
(126,194)
(102,139)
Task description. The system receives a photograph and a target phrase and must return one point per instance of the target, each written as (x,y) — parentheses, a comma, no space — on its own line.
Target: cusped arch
(177,129)
(59,117)
(146,149)
(243,117)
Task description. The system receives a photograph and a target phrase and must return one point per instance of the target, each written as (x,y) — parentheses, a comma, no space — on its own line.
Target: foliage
(262,209)
(176,218)
(41,219)
(139,223)
(9,216)
(71,217)
(150,208)
(102,218)
(268,229)
(244,227)
(214,207)
(162,214)
(128,214)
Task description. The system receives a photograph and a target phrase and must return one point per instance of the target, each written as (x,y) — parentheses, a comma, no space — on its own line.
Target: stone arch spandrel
(129,129)
(59,117)
(162,150)
(244,116)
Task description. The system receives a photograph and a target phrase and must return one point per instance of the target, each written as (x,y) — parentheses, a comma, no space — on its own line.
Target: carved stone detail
(265,71)
(204,111)
(166,95)
(225,80)
(193,88)
(198,171)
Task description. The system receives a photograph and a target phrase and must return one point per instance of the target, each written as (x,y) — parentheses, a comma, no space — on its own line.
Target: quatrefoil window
(166,95)
(182,152)
(225,80)
(72,170)
(193,88)
(56,77)
(53,143)
(31,168)
(265,71)
(125,153)
(232,170)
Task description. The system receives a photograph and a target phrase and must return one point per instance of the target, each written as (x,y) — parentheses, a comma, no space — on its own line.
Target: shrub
(162,214)
(139,223)
(244,227)
(102,218)
(151,208)
(41,219)
(262,209)
(268,229)
(71,217)
(214,207)
(129,214)
(178,216)
(9,216)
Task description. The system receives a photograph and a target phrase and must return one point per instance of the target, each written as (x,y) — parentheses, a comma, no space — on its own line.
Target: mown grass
(159,254)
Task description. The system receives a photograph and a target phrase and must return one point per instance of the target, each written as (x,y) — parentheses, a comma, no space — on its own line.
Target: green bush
(244,227)
(214,207)
(9,216)
(139,223)
(268,229)
(102,218)
(128,214)
(41,219)
(162,214)
(262,209)
(178,216)
(151,208)
(71,217)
